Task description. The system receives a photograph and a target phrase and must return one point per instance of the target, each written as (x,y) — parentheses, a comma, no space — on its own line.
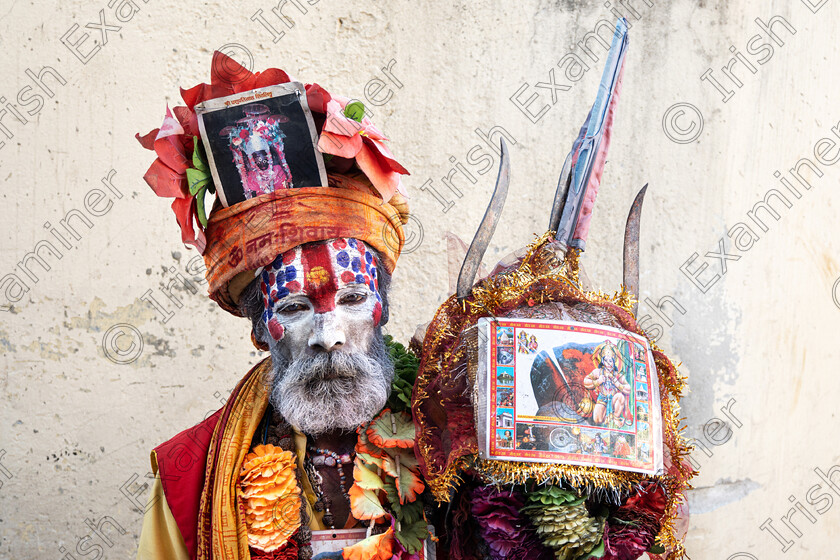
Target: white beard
(331,390)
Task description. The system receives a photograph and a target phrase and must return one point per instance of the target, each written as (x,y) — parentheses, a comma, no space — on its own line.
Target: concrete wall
(757,330)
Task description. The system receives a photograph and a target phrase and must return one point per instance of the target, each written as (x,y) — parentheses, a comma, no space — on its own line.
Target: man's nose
(327,334)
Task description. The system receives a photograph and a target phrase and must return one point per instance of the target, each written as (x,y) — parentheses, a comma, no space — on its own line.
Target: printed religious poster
(260,141)
(567,392)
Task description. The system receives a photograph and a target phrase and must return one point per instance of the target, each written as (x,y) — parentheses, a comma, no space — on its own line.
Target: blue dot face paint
(319,272)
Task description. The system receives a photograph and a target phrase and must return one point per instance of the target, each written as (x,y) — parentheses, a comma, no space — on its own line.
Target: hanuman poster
(567,392)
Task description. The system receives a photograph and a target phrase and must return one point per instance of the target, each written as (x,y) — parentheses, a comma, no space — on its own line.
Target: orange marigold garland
(270,497)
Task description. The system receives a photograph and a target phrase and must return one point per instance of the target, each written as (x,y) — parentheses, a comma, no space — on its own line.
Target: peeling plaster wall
(77,427)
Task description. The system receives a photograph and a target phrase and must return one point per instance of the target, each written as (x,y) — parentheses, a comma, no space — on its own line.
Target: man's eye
(293,308)
(350,299)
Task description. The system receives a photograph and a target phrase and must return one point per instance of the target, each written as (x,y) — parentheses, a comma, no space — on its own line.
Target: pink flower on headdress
(345,137)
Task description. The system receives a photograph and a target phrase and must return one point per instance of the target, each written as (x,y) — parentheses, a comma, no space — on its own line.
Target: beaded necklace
(326,458)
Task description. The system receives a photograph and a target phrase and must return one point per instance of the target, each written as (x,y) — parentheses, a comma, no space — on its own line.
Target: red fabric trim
(181,465)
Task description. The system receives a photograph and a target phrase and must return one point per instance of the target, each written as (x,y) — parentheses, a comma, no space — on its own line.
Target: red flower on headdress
(173,141)
(167,174)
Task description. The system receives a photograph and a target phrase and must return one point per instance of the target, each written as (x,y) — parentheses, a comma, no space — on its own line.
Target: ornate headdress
(363,197)
(645,512)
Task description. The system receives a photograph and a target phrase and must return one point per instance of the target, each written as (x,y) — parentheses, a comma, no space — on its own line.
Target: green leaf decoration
(411,513)
(657,549)
(411,535)
(564,524)
(199,180)
(370,459)
(410,485)
(364,504)
(407,457)
(393,497)
(199,207)
(392,430)
(408,512)
(552,496)
(198,159)
(364,445)
(405,373)
(355,110)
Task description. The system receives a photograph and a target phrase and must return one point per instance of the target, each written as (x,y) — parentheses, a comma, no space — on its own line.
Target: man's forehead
(349,254)
(318,271)
(314,267)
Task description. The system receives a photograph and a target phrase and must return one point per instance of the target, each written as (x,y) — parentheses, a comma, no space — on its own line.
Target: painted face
(319,294)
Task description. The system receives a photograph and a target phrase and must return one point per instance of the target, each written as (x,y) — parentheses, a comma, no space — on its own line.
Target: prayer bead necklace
(327,458)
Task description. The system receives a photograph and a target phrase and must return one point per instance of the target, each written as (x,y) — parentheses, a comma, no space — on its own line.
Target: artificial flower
(375,547)
(628,534)
(391,430)
(503,527)
(347,137)
(649,497)
(270,497)
(365,504)
(563,522)
(168,173)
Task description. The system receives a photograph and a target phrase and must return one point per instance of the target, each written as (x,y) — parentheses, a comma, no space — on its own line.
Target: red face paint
(318,271)
(319,281)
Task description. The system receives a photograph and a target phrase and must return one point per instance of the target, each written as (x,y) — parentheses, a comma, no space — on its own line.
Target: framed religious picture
(567,392)
(260,141)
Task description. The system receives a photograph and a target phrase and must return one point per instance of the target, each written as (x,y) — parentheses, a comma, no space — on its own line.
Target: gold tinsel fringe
(550,277)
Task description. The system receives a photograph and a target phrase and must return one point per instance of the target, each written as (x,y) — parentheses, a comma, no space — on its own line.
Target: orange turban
(366,204)
(249,235)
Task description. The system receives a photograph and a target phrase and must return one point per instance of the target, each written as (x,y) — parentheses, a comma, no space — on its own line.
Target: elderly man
(305,449)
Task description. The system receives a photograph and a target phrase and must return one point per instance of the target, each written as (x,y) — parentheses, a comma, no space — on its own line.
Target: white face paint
(323,297)
(349,327)
(322,310)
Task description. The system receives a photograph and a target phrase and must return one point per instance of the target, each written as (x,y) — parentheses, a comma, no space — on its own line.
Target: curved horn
(631,248)
(560,195)
(486,228)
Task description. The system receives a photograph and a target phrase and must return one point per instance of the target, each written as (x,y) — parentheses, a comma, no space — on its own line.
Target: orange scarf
(222,533)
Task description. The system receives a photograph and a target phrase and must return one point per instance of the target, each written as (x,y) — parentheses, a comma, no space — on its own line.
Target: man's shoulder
(188,446)
(180,462)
